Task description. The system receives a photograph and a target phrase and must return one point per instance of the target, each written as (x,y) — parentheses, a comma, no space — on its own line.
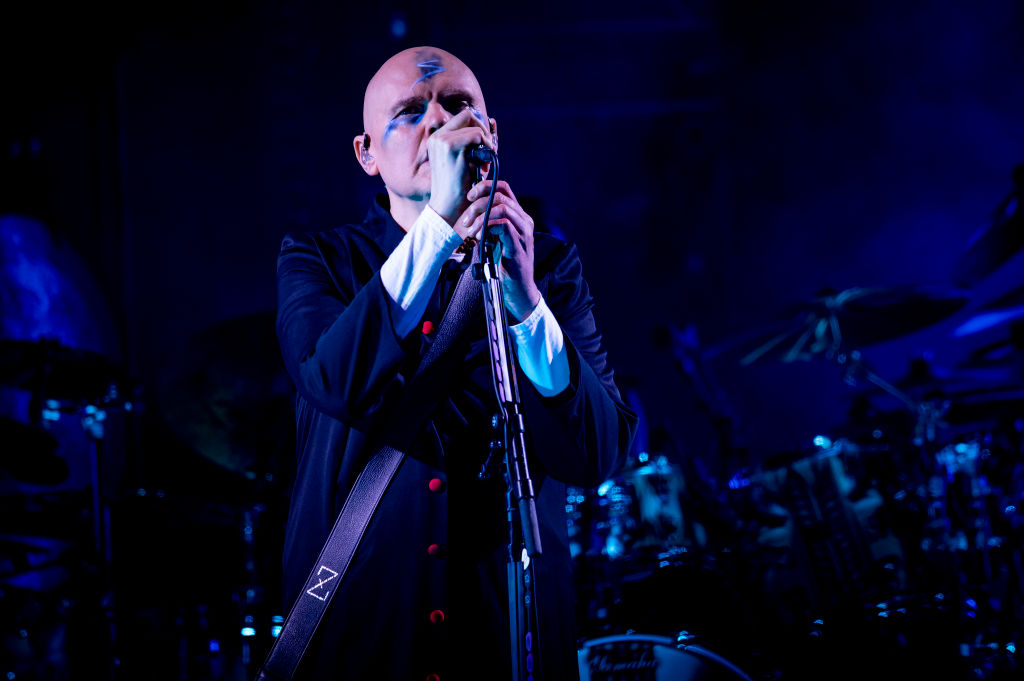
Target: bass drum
(640,657)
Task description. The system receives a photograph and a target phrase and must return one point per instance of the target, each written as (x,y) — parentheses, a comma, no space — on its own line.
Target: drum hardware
(642,510)
(260,617)
(852,318)
(65,380)
(639,547)
(908,516)
(70,381)
(910,507)
(51,370)
(218,563)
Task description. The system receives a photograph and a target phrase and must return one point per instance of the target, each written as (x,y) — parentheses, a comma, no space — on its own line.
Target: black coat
(407,609)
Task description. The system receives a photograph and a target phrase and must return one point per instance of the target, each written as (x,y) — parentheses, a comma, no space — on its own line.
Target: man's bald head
(402,72)
(413,95)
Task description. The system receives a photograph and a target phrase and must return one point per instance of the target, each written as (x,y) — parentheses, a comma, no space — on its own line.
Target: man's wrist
(541,351)
(447,237)
(443,213)
(449,211)
(521,303)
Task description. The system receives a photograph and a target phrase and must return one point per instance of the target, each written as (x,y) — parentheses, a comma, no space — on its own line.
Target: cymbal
(847,320)
(997,241)
(234,404)
(55,371)
(1001,355)
(29,454)
(953,412)
(1007,310)
(925,378)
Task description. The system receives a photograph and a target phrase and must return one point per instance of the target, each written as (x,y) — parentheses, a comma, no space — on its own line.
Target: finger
(507,211)
(505,189)
(501,198)
(463,119)
(511,240)
(458,133)
(477,207)
(483,188)
(472,230)
(501,228)
(458,139)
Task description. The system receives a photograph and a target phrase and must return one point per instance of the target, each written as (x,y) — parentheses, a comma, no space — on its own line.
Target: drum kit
(892,545)
(56,527)
(83,534)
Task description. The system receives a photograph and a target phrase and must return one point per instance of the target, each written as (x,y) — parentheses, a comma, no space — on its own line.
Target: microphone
(480,154)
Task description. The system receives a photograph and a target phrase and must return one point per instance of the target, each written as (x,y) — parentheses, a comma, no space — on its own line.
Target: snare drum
(641,657)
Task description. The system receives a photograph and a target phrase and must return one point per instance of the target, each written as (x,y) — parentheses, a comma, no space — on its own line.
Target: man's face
(412,95)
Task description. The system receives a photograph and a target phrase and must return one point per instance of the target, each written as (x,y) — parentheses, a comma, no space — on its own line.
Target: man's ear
(494,133)
(361,145)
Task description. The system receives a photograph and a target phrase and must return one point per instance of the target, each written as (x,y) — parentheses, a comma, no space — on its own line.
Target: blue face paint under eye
(401,121)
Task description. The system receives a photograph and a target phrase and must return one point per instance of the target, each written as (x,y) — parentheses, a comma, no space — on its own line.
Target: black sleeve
(337,338)
(582,434)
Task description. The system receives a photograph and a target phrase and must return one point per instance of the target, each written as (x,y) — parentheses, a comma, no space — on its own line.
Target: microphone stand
(520,501)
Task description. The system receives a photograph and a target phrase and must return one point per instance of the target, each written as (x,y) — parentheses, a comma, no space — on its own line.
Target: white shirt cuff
(410,272)
(541,351)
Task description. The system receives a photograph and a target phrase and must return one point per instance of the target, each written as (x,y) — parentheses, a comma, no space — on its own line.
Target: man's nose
(436,116)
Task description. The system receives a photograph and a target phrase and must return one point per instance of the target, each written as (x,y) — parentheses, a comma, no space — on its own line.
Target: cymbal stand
(855,366)
(928,414)
(524,531)
(93,422)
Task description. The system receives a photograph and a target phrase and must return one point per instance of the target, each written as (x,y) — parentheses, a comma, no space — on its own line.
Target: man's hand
(514,228)
(450,173)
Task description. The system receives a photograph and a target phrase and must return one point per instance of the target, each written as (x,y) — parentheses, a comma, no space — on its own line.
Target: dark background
(716,162)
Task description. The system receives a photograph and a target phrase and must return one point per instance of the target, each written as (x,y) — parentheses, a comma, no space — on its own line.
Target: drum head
(639,657)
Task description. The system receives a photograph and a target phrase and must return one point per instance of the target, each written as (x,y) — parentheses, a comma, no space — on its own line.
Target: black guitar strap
(419,400)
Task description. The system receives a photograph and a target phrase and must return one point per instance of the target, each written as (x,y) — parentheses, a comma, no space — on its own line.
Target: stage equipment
(70,382)
(849,320)
(234,402)
(654,658)
(524,532)
(900,527)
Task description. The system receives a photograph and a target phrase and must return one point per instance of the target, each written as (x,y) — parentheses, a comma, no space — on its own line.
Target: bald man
(425,596)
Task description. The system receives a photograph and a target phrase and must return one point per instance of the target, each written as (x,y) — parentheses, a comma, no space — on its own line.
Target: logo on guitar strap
(312,591)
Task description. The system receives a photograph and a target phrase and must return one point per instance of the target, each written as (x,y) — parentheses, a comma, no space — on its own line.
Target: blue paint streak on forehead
(429,68)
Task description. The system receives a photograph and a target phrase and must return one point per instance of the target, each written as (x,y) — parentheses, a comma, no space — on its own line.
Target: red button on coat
(436,485)
(436,616)
(434,550)
(428,326)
